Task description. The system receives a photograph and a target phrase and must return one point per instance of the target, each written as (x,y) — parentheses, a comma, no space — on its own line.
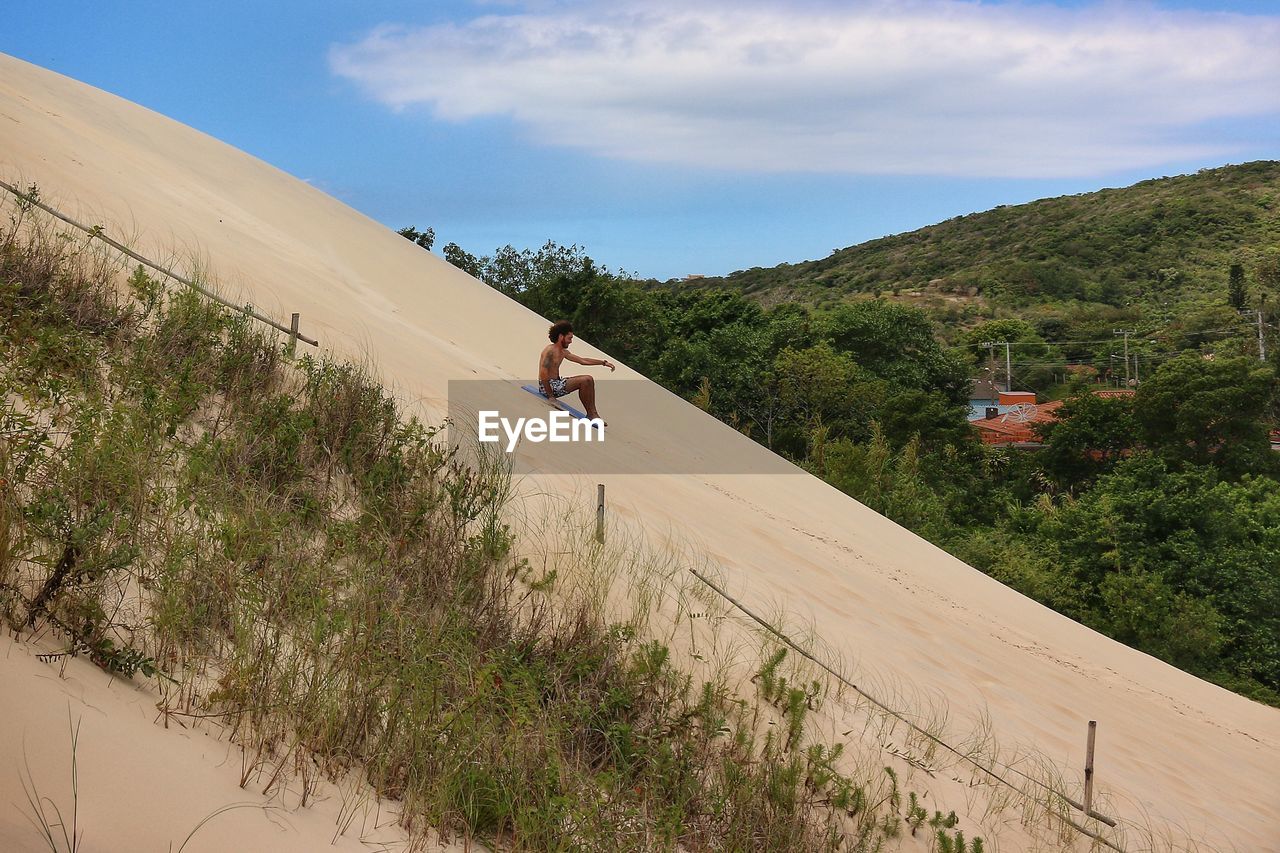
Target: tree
(515,271)
(463,260)
(1267,271)
(889,483)
(425,239)
(1208,412)
(734,359)
(694,312)
(910,414)
(819,385)
(1178,562)
(1200,327)
(896,343)
(1235,287)
(1090,436)
(791,325)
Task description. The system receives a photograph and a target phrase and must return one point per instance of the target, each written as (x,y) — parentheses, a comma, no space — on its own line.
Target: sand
(141,786)
(1172,748)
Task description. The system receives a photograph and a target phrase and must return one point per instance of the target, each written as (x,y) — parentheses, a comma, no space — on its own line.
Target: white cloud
(931,87)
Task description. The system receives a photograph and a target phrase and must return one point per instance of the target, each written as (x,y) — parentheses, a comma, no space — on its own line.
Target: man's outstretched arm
(577,359)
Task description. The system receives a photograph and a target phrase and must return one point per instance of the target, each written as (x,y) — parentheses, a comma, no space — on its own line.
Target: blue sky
(673,138)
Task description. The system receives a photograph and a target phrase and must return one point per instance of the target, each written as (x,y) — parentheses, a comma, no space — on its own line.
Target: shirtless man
(561,335)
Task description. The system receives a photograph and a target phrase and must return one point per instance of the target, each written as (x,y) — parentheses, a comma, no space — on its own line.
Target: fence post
(600,513)
(293,335)
(1088,769)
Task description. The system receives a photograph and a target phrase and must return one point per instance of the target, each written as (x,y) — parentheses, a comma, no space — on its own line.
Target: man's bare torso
(549,362)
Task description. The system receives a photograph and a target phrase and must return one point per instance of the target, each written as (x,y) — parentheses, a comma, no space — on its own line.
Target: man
(561,335)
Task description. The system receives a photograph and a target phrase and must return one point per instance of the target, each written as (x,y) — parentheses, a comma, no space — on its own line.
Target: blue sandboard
(559,403)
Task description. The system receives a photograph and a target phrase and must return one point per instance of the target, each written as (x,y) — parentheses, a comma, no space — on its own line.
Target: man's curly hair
(563,327)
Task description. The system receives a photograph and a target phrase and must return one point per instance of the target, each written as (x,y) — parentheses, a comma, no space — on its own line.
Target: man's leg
(585,385)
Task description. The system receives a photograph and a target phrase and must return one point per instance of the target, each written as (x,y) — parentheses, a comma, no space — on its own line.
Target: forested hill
(1176,235)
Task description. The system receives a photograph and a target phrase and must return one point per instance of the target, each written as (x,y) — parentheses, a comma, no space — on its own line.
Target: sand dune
(143,787)
(1173,748)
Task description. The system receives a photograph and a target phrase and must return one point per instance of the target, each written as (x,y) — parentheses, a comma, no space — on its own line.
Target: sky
(674,138)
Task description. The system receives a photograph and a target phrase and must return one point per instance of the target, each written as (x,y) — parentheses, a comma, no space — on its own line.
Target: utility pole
(1008,366)
(1262,344)
(1126,333)
(1008,362)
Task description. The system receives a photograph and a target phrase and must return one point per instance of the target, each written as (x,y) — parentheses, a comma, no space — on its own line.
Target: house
(1013,419)
(1015,426)
(986,396)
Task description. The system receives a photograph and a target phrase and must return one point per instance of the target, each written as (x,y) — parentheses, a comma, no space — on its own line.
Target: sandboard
(558,403)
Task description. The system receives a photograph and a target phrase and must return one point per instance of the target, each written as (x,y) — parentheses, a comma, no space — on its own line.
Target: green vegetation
(1163,240)
(1151,519)
(1173,259)
(281,549)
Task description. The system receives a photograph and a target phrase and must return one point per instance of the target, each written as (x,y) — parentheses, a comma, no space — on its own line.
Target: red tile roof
(1006,429)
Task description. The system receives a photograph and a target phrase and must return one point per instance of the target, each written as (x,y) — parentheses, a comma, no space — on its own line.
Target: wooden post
(600,513)
(293,335)
(1088,768)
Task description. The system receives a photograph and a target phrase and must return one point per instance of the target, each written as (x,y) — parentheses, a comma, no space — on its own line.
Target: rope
(97,232)
(899,716)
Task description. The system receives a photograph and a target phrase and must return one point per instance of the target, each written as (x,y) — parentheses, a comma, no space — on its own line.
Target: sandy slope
(1174,747)
(140,786)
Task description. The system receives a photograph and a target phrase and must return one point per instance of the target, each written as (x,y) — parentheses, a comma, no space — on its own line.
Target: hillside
(1167,238)
(959,653)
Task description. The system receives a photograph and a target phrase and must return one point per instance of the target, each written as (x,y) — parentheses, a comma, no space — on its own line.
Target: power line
(1236,329)
(1089,361)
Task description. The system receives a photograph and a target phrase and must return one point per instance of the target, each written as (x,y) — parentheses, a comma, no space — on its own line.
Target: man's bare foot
(596,416)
